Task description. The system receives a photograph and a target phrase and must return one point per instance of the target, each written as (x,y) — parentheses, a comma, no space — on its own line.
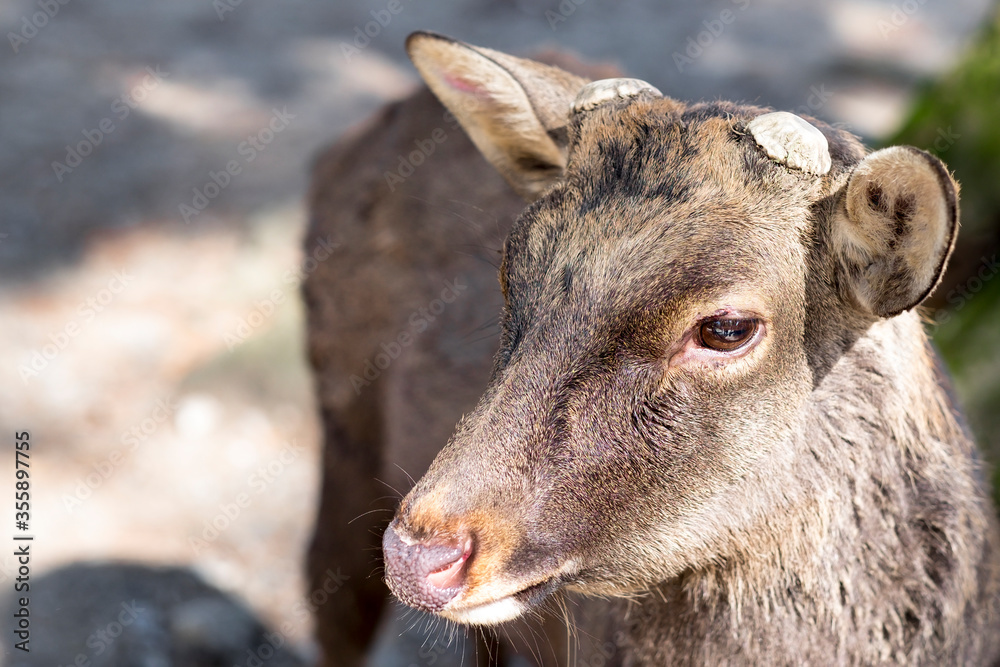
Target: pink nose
(425,575)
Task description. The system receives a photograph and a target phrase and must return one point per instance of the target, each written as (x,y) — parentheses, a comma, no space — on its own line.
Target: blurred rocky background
(153,160)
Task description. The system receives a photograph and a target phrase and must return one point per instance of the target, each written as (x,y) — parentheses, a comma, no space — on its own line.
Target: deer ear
(897,228)
(514,110)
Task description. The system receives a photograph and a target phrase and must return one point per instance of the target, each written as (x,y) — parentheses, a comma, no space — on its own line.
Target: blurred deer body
(711,396)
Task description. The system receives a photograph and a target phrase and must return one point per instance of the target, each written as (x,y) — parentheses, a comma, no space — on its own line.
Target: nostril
(451,574)
(426,575)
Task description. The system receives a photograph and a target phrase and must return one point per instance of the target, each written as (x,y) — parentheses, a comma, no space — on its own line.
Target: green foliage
(958,118)
(969,341)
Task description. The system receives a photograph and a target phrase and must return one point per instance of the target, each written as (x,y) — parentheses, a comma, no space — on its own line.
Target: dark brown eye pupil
(727,334)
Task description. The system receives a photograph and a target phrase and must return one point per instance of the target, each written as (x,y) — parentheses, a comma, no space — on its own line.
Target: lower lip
(504,609)
(491,613)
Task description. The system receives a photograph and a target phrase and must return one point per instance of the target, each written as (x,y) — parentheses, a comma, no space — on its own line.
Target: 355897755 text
(22,540)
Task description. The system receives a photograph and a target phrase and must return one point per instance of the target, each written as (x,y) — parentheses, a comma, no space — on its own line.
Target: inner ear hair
(515,110)
(898,228)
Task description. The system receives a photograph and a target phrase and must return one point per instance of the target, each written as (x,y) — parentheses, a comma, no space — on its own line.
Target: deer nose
(426,575)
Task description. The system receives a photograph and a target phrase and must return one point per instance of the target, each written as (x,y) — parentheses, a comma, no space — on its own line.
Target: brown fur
(813,501)
(397,250)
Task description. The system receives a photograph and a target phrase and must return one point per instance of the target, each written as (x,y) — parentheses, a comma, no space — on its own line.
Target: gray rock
(128,615)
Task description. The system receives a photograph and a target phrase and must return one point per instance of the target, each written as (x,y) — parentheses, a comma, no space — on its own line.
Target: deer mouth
(505,608)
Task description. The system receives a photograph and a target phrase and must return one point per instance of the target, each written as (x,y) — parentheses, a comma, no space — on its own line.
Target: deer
(711,416)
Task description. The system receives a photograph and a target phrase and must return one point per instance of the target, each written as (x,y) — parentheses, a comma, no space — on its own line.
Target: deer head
(682,280)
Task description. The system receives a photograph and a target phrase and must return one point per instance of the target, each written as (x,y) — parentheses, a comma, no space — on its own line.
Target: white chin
(490,613)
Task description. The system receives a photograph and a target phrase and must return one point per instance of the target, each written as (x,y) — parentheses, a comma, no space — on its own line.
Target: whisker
(380,509)
(413,482)
(394,489)
(481,338)
(492,322)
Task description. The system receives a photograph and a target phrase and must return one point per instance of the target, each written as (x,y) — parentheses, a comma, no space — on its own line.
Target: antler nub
(792,141)
(598,92)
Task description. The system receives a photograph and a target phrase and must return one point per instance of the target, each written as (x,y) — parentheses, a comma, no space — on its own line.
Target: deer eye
(726,334)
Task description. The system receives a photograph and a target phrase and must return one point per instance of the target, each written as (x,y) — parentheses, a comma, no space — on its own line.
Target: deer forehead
(650,254)
(648,165)
(657,193)
(638,146)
